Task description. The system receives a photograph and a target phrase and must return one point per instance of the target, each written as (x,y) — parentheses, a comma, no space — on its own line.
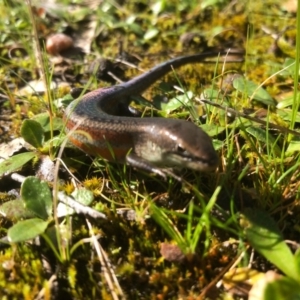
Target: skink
(95,126)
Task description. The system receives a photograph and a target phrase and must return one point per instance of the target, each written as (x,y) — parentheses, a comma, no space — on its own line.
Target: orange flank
(112,146)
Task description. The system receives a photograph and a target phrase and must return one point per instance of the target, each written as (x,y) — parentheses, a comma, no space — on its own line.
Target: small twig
(245,116)
(41,294)
(218,280)
(236,113)
(17,177)
(78,207)
(108,272)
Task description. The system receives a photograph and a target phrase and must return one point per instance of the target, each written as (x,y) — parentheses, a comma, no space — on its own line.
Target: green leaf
(265,237)
(264,136)
(134,27)
(287,114)
(289,66)
(33,133)
(26,230)
(206,3)
(252,90)
(213,129)
(218,145)
(83,196)
(212,94)
(151,33)
(288,101)
(15,162)
(297,260)
(158,6)
(282,289)
(292,148)
(44,120)
(37,197)
(15,210)
(173,103)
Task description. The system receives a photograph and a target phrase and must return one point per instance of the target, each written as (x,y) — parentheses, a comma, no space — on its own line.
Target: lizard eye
(180,149)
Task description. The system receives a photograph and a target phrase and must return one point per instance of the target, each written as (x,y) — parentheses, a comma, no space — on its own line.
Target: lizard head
(179,143)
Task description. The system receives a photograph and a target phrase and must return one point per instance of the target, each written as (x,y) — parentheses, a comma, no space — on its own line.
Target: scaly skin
(94,125)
